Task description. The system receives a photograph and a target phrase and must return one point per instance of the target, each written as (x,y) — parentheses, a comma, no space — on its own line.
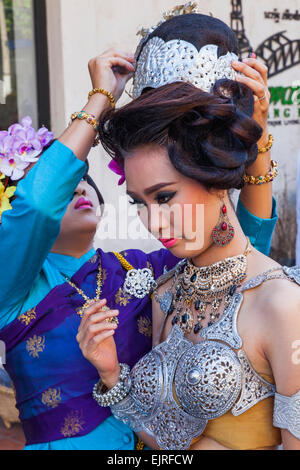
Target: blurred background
(45,46)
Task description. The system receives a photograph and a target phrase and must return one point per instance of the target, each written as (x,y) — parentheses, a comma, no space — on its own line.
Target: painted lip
(83,203)
(168,242)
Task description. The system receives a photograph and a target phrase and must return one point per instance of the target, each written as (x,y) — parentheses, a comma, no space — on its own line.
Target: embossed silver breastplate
(202,381)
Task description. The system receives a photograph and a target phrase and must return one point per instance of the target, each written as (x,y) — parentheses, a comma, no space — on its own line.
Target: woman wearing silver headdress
(224,369)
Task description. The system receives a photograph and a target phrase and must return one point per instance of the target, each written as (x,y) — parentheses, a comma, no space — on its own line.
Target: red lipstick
(168,242)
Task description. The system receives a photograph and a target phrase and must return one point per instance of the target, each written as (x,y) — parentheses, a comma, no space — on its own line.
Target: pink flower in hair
(116,168)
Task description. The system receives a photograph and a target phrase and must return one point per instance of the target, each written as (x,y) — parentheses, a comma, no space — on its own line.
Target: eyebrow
(154,188)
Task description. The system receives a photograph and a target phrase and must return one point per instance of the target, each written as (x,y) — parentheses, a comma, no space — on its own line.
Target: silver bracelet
(115,394)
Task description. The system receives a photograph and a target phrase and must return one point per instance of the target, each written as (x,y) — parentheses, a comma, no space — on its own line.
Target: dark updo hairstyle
(210,137)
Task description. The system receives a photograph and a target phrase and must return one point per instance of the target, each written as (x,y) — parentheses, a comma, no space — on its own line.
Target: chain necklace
(88,300)
(206,288)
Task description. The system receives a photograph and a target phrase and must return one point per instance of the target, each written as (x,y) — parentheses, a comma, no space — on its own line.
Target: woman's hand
(111,71)
(256,78)
(95,338)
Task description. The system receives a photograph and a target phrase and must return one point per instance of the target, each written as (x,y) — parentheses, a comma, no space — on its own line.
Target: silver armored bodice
(179,386)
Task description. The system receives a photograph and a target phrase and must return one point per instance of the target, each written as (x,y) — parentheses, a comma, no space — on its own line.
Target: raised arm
(29,230)
(257,199)
(256,207)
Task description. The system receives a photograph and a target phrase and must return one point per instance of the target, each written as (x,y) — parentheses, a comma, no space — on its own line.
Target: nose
(81,189)
(158,221)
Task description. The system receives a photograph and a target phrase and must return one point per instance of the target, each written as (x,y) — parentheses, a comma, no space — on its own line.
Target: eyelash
(158,198)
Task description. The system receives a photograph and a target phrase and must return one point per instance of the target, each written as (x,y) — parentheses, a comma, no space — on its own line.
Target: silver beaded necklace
(207,289)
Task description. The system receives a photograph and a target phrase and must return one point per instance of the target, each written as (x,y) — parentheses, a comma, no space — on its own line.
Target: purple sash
(53,381)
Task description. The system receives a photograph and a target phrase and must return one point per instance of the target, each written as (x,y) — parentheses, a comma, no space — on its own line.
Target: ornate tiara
(163,62)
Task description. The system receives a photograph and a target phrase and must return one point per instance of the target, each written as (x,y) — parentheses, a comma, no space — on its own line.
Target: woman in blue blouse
(48,237)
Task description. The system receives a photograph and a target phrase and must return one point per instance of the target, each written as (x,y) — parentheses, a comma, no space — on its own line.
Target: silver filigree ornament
(287,413)
(139,282)
(163,62)
(208,380)
(166,301)
(293,273)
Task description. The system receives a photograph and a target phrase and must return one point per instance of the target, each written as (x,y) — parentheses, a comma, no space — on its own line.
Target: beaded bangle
(263,179)
(90,119)
(268,146)
(115,394)
(104,92)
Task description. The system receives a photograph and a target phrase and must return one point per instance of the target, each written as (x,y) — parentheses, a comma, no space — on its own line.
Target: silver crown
(163,62)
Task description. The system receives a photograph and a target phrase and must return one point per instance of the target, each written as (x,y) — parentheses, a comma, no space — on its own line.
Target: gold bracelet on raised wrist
(263,179)
(103,92)
(90,119)
(269,144)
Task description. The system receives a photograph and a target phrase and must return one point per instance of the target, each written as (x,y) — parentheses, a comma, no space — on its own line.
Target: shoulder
(274,288)
(281,325)
(282,300)
(277,309)
(274,304)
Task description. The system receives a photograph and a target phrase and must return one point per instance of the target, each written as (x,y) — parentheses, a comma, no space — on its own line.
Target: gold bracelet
(104,92)
(90,119)
(263,179)
(268,146)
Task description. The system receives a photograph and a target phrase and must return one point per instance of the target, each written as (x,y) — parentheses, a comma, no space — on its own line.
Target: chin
(181,251)
(88,222)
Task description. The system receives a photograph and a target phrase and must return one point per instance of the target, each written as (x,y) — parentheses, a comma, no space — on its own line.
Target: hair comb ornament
(20,146)
(187,8)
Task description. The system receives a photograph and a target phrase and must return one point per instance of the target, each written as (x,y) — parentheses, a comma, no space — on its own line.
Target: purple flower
(13,167)
(44,136)
(116,168)
(20,146)
(14,128)
(3,134)
(26,144)
(26,121)
(6,146)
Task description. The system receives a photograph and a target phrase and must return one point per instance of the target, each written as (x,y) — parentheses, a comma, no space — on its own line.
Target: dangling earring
(223,233)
